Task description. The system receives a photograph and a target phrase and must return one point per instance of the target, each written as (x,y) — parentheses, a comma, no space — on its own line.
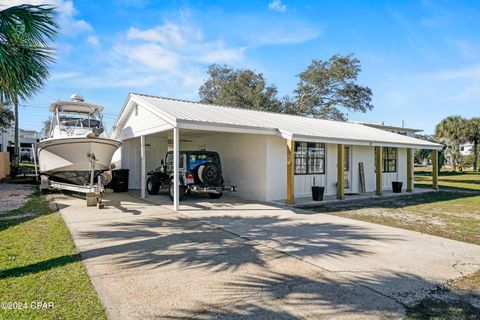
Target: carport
(148,133)
(258,149)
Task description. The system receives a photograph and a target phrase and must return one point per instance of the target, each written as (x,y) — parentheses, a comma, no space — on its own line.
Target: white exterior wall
(256,164)
(244,161)
(400,175)
(155,150)
(142,122)
(276,168)
(367,156)
(358,154)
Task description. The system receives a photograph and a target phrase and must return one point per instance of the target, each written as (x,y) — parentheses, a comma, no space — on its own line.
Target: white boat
(76,143)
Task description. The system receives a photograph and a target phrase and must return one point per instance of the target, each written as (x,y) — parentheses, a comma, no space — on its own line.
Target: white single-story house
(268,156)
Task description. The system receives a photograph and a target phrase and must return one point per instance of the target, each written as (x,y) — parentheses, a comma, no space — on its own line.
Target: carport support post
(290,174)
(378,170)
(142,165)
(435,169)
(176,167)
(340,172)
(409,170)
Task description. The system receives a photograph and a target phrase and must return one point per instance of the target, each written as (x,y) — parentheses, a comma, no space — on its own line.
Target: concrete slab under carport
(398,263)
(148,262)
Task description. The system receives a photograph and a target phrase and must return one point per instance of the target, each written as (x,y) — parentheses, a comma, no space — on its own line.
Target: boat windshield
(78,124)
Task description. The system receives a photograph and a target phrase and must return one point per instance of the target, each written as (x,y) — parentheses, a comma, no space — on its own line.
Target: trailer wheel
(152,186)
(181,191)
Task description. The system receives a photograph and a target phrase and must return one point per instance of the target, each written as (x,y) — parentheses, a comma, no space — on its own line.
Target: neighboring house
(26,139)
(410,132)
(466,149)
(268,156)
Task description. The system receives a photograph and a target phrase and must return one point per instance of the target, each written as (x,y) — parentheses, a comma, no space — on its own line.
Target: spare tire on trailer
(209,173)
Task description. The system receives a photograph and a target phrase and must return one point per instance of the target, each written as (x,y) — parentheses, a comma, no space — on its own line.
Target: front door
(348,170)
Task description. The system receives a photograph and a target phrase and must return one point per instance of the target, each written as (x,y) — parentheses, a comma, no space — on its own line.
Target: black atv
(200,172)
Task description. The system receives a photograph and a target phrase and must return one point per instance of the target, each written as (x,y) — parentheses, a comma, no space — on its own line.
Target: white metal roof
(186,114)
(386,126)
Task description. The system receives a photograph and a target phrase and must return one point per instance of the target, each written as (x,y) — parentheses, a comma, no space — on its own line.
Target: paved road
(234,259)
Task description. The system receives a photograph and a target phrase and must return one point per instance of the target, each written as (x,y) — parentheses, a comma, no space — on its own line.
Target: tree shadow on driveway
(274,295)
(189,242)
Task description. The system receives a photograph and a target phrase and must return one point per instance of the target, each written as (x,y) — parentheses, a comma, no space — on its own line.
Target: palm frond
(25,55)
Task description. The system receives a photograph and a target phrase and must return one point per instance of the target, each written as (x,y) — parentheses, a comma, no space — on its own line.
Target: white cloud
(177,49)
(150,55)
(167,34)
(277,5)
(93,40)
(471,72)
(171,57)
(66,18)
(63,75)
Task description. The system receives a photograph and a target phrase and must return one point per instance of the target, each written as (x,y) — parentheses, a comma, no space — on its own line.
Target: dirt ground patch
(13,196)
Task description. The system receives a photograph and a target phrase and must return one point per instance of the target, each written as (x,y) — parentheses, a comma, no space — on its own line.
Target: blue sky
(420,58)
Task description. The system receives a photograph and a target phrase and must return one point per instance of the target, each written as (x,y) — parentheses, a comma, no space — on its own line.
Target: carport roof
(194,115)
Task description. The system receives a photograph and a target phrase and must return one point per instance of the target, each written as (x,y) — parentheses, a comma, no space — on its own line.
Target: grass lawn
(453,212)
(39,263)
(467,181)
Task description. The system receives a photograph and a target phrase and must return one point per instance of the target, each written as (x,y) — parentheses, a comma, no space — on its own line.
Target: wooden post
(379,170)
(340,172)
(435,170)
(143,169)
(290,173)
(409,170)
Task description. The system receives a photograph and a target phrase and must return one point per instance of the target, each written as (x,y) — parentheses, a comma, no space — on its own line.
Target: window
(346,158)
(196,159)
(169,161)
(309,158)
(389,159)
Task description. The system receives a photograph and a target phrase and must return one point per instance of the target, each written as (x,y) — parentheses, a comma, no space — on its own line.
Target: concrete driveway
(233,259)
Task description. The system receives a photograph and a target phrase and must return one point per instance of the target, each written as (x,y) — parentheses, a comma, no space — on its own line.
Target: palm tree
(451,131)
(473,135)
(25,55)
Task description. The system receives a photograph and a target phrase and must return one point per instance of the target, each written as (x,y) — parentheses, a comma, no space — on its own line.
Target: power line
(27,106)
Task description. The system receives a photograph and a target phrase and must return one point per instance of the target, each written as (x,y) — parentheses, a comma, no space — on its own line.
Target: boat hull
(67,159)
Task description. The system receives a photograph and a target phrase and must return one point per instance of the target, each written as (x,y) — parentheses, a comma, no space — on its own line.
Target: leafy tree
(6,115)
(327,85)
(25,55)
(324,87)
(451,132)
(239,88)
(472,134)
(46,126)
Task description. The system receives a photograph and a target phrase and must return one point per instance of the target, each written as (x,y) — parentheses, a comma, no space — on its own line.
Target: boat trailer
(93,192)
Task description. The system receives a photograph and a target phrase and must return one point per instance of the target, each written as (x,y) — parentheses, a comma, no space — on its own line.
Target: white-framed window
(309,158)
(389,159)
